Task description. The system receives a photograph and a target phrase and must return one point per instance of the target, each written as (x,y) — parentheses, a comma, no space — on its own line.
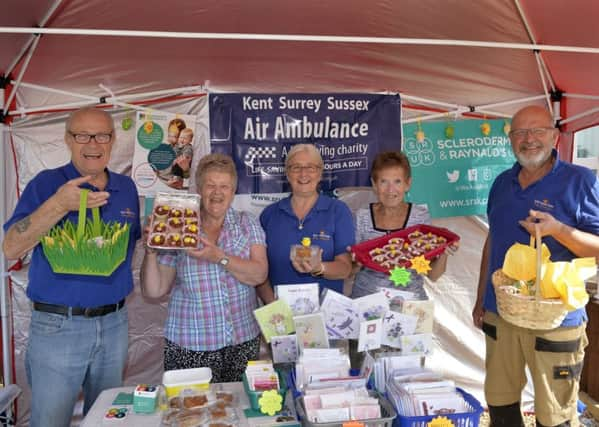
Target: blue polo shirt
(70,289)
(329,224)
(570,193)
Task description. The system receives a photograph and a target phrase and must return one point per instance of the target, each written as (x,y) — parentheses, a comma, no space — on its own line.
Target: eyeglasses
(519,134)
(84,138)
(307,168)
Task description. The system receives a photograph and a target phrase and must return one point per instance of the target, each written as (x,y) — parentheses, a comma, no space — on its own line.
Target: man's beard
(533,162)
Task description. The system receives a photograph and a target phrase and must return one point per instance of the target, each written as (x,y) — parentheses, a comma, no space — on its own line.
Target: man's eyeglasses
(307,168)
(518,134)
(84,138)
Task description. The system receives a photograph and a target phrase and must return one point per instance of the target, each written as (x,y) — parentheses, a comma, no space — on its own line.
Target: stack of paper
(418,392)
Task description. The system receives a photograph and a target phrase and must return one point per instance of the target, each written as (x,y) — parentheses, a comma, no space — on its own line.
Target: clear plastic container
(303,252)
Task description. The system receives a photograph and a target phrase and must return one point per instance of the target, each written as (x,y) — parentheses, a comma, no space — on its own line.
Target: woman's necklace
(302,218)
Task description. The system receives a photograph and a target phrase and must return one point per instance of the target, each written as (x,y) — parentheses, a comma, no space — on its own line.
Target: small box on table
(145,398)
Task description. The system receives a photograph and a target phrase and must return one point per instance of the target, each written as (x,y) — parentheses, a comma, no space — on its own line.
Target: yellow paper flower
(485,128)
(421,265)
(507,127)
(270,402)
(441,422)
(148,127)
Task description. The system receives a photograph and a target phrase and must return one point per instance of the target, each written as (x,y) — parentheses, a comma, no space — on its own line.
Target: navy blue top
(570,193)
(329,224)
(71,289)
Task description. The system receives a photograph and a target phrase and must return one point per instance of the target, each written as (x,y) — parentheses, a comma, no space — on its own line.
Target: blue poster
(258,130)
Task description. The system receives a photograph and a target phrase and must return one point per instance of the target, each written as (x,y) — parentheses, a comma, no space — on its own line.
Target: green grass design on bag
(92,247)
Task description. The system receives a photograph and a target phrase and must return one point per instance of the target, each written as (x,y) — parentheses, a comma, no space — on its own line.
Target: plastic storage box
(254,396)
(465,419)
(387,415)
(181,379)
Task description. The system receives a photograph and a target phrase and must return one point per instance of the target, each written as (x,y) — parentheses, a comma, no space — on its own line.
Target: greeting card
(372,306)
(310,331)
(301,298)
(395,325)
(370,334)
(424,311)
(284,348)
(341,316)
(416,344)
(275,319)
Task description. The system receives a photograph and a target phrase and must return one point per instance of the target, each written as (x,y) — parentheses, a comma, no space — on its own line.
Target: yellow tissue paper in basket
(565,280)
(520,261)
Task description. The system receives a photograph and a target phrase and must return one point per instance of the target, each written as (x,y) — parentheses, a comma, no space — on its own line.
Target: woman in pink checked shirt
(210,316)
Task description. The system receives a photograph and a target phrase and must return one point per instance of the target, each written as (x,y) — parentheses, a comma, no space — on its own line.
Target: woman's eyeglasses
(85,138)
(300,168)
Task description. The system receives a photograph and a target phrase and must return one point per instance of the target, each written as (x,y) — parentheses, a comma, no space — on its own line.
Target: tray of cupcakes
(175,222)
(397,249)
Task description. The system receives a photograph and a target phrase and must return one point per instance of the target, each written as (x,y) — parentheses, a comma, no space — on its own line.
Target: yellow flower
(148,127)
(485,128)
(441,421)
(421,265)
(270,402)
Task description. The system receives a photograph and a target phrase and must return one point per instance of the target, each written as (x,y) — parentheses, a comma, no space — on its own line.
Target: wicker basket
(532,312)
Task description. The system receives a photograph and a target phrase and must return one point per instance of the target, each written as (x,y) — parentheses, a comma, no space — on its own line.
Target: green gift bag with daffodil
(91,247)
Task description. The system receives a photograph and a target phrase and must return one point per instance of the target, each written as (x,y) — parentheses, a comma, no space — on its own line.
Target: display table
(95,416)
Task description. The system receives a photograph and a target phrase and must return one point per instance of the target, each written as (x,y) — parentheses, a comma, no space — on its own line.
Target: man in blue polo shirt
(562,200)
(78,336)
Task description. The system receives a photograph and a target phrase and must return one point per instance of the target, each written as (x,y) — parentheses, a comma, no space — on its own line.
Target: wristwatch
(224,261)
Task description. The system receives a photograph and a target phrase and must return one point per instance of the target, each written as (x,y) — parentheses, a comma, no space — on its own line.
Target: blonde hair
(177,125)
(216,162)
(307,148)
(187,131)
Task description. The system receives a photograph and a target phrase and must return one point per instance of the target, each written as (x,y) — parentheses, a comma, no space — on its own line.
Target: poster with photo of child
(164,152)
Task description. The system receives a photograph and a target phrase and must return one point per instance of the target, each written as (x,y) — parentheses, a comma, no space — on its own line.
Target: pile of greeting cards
(297,309)
(418,391)
(329,394)
(385,318)
(392,318)
(261,376)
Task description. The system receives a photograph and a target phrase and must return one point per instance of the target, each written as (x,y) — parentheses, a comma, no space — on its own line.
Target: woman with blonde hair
(307,213)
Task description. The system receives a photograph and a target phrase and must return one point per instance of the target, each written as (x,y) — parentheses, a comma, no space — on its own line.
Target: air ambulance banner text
(258,130)
(454,163)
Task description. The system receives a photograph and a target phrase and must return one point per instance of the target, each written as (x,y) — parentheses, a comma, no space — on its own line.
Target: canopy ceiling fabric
(467,76)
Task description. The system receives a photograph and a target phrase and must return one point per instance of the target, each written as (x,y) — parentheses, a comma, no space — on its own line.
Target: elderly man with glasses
(561,200)
(79,327)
